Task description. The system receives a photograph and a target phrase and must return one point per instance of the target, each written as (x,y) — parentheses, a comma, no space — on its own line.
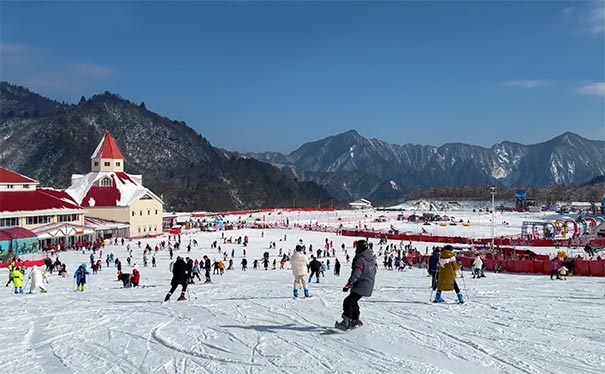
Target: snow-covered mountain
(49,141)
(351,166)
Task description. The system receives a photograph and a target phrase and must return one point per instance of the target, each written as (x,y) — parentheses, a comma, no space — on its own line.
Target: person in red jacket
(136,277)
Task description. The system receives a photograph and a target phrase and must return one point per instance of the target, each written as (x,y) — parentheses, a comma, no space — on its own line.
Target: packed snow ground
(248,322)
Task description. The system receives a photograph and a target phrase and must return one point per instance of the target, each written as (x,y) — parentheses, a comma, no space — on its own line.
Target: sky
(270,76)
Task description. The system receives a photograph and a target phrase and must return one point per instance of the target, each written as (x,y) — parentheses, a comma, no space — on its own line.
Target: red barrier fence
(28,264)
(598,242)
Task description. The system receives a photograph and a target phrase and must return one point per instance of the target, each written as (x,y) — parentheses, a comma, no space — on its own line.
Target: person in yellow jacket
(447,274)
(17,277)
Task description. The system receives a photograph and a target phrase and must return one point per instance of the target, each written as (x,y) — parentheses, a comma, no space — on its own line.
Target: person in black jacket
(433,267)
(337,268)
(207,267)
(315,267)
(179,276)
(361,283)
(189,270)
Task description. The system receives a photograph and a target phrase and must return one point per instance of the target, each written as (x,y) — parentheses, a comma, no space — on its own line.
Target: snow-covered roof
(122,191)
(108,148)
(9,176)
(38,200)
(361,202)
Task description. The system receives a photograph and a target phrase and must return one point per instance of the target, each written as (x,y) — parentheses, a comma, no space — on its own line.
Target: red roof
(16,233)
(8,176)
(27,201)
(108,148)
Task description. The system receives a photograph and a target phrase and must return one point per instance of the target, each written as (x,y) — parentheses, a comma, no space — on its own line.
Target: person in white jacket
(299,264)
(36,280)
(477,265)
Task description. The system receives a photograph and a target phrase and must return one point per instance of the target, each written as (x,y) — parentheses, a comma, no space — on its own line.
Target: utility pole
(492,190)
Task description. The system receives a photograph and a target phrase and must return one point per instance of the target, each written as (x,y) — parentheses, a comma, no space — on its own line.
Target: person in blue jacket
(433,267)
(80,276)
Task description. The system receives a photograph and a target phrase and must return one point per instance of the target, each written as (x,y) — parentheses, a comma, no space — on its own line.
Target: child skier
(361,283)
(80,276)
(299,264)
(434,268)
(17,278)
(447,275)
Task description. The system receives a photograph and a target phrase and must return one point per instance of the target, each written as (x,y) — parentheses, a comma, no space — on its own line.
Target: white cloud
(596,89)
(15,48)
(568,10)
(526,83)
(592,18)
(94,70)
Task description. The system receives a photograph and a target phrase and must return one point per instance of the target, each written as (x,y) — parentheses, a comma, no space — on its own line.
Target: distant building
(108,193)
(50,214)
(360,204)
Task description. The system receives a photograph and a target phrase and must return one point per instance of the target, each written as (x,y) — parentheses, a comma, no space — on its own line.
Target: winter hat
(299,248)
(84,265)
(447,248)
(362,245)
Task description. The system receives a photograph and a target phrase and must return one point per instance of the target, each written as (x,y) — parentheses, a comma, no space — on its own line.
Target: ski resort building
(360,204)
(110,194)
(45,213)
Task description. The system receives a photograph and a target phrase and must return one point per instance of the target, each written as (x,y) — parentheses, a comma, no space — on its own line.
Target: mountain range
(49,141)
(350,166)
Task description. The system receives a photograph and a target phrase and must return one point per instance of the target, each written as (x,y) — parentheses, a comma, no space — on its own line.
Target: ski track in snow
(247,322)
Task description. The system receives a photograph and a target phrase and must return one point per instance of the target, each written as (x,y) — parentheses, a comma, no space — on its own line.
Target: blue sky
(270,76)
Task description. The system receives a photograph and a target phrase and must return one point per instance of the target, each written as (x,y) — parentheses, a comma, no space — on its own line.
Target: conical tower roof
(108,148)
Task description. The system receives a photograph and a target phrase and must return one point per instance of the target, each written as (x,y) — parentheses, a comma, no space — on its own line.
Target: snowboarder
(299,264)
(447,275)
(80,276)
(361,283)
(179,277)
(36,280)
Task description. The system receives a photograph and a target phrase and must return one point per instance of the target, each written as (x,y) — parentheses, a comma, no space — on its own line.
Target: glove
(346,288)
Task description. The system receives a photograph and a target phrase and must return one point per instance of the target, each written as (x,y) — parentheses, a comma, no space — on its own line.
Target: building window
(107,163)
(133,214)
(9,222)
(139,229)
(96,163)
(67,217)
(140,212)
(37,220)
(117,163)
(148,212)
(106,182)
(9,186)
(26,186)
(146,197)
(156,212)
(144,229)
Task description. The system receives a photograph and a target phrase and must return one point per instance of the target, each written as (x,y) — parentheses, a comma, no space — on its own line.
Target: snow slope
(247,322)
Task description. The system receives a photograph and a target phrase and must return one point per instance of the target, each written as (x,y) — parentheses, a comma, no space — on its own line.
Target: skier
(36,280)
(447,275)
(80,276)
(207,267)
(361,283)
(433,267)
(11,267)
(17,278)
(196,272)
(315,267)
(244,264)
(299,264)
(179,277)
(337,268)
(477,265)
